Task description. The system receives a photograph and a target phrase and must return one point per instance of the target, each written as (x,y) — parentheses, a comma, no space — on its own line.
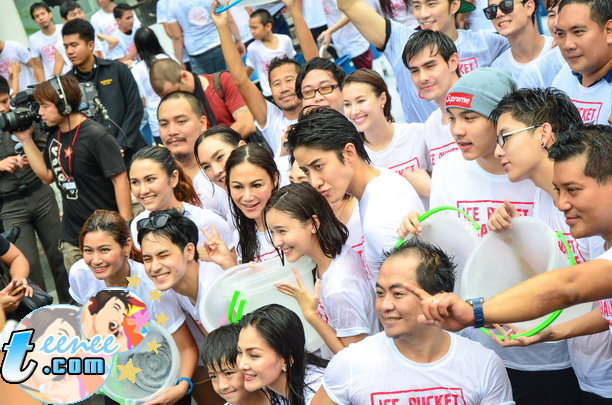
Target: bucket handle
(432,211)
(230,312)
(553,316)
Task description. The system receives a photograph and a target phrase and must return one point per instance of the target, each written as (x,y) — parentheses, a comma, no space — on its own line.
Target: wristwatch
(476,303)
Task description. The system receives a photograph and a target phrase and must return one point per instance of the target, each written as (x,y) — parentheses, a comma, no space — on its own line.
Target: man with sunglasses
(583,35)
(515,20)
(29,204)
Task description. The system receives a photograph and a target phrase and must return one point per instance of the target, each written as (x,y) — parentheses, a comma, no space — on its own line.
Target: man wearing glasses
(319,84)
(515,20)
(29,204)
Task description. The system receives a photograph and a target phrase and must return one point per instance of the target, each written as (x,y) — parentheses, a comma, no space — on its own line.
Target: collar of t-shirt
(607,77)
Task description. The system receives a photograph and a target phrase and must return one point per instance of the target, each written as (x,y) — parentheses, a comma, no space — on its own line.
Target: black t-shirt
(83,173)
(5,245)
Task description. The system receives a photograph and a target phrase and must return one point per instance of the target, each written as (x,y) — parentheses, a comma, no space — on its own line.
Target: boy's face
(475,134)
(552,20)
(164,262)
(42,17)
(258,30)
(228,382)
(431,74)
(126,22)
(77,50)
(514,22)
(522,153)
(5,103)
(437,15)
(49,114)
(76,13)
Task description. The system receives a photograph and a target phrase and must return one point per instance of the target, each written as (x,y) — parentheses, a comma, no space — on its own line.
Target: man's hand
(221,19)
(325,38)
(240,47)
(501,219)
(24,135)
(9,164)
(410,225)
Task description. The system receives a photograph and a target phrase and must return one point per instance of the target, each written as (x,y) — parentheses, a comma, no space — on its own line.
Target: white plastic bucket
(257,287)
(159,370)
(502,260)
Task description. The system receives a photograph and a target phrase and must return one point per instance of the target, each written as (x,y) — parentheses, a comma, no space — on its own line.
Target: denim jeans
(208,62)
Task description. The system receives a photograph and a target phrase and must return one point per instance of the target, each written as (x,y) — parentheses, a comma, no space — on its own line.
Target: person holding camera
(81,156)
(27,203)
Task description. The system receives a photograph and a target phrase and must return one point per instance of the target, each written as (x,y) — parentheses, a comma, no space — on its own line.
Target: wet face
(321,80)
(362,106)
(213,153)
(431,74)
(42,17)
(77,50)
(260,364)
(325,172)
(164,262)
(103,254)
(282,87)
(151,185)
(475,134)
(436,15)
(179,126)
(228,383)
(292,236)
(109,319)
(250,188)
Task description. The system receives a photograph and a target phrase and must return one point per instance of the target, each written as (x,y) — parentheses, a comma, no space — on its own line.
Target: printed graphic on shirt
(70,189)
(426,396)
(48,53)
(574,247)
(605,307)
(467,65)
(110,27)
(589,111)
(437,153)
(411,165)
(198,16)
(322,314)
(360,250)
(4,65)
(481,210)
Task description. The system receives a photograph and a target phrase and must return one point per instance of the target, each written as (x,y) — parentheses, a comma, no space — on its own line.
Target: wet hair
(436,270)
(601,10)
(264,16)
(114,225)
(247,228)
(67,7)
(538,106)
(44,91)
(319,64)
(592,141)
(37,6)
(376,83)
(325,129)
(193,101)
(184,190)
(104,296)
(283,331)
(221,347)
(120,9)
(162,71)
(225,134)
(282,61)
(302,202)
(438,43)
(147,45)
(4,86)
(179,230)
(82,28)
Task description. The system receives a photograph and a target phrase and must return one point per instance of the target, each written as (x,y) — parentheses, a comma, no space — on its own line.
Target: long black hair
(247,228)
(225,134)
(302,202)
(147,45)
(283,331)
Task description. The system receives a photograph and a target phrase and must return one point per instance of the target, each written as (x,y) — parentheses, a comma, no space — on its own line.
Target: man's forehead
(317,76)
(570,170)
(176,108)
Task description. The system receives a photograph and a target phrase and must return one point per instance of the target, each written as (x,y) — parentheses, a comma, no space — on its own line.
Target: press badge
(70,186)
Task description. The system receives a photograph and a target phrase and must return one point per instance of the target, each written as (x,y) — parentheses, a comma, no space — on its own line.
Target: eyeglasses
(506,7)
(308,94)
(156,222)
(501,138)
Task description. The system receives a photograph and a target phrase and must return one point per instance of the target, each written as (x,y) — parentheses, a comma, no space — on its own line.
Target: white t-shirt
(276,126)
(385,201)
(212,196)
(593,102)
(507,61)
(284,169)
(99,46)
(43,46)
(259,57)
(203,218)
(13,51)
(347,39)
(438,137)
(141,75)
(374,371)
(476,49)
(407,150)
(465,185)
(124,47)
(313,13)
(83,285)
(347,299)
(161,13)
(266,249)
(541,72)
(313,380)
(478,21)
(355,239)
(199,32)
(606,305)
(401,14)
(105,23)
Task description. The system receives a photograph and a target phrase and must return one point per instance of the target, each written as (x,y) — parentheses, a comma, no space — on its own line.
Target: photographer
(29,204)
(81,156)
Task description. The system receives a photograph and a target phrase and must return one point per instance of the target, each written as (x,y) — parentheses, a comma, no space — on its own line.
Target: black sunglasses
(506,7)
(151,223)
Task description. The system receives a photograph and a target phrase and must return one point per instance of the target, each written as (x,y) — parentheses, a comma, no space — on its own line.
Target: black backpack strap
(218,86)
(201,95)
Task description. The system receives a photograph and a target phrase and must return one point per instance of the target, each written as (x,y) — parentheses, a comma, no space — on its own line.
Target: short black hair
(437,41)
(538,106)
(81,27)
(281,61)
(264,16)
(68,6)
(194,103)
(319,64)
(593,141)
(326,129)
(38,5)
(104,296)
(436,270)
(120,9)
(601,10)
(221,347)
(4,86)
(179,230)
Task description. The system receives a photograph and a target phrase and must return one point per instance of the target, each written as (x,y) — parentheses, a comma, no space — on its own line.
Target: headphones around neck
(63,107)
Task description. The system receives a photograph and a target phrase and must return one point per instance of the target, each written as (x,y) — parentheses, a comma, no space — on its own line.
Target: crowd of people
(233,148)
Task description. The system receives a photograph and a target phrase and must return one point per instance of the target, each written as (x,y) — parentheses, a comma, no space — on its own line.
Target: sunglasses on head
(151,223)
(506,7)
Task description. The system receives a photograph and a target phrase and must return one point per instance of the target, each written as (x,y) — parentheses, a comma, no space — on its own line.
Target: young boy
(125,51)
(219,354)
(42,42)
(265,47)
